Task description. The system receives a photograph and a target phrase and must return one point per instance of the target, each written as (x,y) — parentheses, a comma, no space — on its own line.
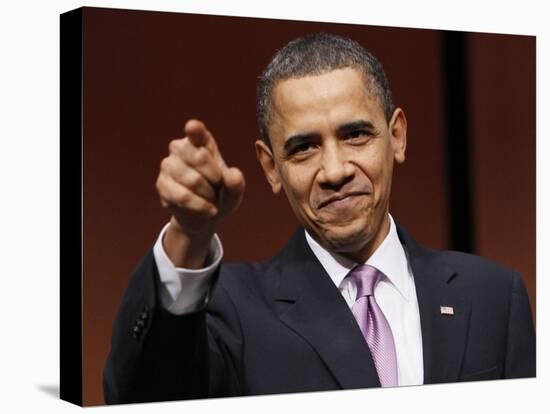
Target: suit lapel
(443,335)
(309,303)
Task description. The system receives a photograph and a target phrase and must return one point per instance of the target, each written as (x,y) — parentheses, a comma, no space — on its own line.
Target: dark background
(469,100)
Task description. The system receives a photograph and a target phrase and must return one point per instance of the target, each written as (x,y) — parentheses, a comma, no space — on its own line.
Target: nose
(336,169)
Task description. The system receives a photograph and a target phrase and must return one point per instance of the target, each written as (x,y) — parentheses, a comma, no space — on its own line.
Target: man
(351,301)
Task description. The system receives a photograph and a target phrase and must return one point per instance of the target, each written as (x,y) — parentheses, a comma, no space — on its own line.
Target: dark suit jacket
(283,326)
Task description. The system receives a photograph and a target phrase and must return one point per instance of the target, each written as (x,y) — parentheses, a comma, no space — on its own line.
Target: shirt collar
(389,258)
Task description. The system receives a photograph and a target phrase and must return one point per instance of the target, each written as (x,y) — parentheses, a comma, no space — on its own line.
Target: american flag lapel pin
(447,310)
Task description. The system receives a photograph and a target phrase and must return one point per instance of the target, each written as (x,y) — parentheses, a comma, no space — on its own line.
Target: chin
(348,239)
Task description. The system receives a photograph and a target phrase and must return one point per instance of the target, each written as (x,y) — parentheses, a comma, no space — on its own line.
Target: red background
(146,73)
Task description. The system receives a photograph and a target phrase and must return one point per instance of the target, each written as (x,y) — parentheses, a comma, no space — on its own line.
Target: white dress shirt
(395,294)
(185,290)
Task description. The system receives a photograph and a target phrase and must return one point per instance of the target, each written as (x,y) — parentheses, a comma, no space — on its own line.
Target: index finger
(199,136)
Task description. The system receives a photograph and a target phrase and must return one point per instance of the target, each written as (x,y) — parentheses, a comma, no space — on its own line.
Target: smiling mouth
(340,197)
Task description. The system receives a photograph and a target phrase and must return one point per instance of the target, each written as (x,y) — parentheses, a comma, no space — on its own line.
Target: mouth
(340,199)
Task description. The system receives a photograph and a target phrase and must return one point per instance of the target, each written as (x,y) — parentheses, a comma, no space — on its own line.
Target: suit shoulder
(472,266)
(468,260)
(476,267)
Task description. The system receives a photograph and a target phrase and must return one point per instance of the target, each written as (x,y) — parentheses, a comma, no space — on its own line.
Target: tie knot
(366,277)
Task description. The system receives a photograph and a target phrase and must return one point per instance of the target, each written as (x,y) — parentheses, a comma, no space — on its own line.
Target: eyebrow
(354,126)
(307,137)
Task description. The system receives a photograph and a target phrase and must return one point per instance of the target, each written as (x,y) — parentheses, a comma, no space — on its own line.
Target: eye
(357,135)
(302,149)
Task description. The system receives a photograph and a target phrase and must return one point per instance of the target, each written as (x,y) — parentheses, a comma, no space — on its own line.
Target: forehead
(322,101)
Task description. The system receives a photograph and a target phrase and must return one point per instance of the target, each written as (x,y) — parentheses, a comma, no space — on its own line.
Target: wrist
(186,250)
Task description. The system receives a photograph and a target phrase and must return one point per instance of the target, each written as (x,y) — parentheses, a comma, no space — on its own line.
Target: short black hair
(316,54)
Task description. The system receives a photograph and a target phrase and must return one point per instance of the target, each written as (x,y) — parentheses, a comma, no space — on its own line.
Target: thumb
(234,185)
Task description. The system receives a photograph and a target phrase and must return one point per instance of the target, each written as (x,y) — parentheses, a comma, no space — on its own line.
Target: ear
(265,157)
(398,134)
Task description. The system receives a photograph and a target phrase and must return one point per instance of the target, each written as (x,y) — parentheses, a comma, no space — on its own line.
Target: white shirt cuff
(185,290)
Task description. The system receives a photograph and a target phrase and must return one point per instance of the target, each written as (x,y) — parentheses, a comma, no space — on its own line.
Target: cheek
(299,190)
(297,185)
(378,169)
(382,184)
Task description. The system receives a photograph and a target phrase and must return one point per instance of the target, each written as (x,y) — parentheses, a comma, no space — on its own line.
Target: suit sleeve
(159,356)
(521,344)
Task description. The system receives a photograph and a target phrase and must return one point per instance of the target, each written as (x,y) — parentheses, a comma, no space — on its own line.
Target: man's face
(333,153)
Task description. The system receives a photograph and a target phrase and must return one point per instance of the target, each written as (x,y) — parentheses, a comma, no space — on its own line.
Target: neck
(366,251)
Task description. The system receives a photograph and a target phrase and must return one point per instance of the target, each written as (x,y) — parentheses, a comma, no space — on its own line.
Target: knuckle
(200,156)
(163,196)
(172,145)
(175,145)
(160,185)
(201,205)
(204,205)
(183,196)
(164,164)
(193,180)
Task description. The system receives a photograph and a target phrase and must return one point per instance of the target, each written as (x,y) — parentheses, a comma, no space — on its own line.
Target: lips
(339,197)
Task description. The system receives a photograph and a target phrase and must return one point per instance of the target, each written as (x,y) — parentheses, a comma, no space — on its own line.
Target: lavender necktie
(373,324)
